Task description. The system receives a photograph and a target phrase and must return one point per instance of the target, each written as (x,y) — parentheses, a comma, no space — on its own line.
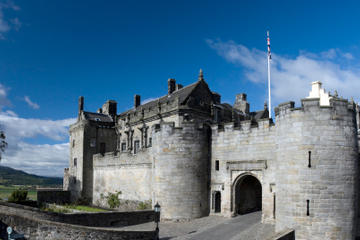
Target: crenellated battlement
(336,107)
(245,126)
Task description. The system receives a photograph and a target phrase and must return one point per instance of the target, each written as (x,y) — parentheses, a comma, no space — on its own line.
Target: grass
(85,208)
(5,192)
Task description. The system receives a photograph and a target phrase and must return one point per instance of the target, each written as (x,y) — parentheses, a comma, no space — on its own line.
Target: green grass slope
(10,176)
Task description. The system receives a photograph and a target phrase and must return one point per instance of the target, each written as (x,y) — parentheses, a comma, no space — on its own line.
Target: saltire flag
(268,45)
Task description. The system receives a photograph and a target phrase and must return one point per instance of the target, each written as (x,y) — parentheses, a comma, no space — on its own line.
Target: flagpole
(268,65)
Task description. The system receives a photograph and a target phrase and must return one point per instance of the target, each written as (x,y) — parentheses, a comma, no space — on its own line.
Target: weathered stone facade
(197,156)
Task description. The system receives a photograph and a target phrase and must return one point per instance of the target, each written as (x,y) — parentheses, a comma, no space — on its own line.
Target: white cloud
(41,159)
(7,25)
(3,96)
(291,77)
(31,103)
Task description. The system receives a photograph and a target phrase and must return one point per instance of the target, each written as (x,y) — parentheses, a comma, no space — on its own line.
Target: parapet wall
(181,170)
(35,225)
(316,174)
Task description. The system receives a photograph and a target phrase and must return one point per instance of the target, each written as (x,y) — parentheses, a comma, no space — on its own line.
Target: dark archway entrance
(248,195)
(217,202)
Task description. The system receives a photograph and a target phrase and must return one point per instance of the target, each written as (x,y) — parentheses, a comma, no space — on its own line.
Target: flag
(268,45)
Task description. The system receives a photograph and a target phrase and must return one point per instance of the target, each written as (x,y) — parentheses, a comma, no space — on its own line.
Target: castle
(196,156)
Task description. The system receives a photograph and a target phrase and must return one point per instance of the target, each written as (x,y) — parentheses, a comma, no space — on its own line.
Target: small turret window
(136,146)
(102,148)
(93,142)
(73,143)
(217,165)
(75,162)
(123,147)
(309,164)
(150,142)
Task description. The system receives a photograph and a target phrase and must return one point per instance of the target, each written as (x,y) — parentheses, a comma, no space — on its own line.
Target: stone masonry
(196,156)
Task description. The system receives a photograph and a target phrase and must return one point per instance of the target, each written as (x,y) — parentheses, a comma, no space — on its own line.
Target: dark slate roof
(182,93)
(260,114)
(98,117)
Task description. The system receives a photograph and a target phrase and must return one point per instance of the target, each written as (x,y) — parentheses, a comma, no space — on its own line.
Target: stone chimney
(81,105)
(171,85)
(137,101)
(110,108)
(179,86)
(241,103)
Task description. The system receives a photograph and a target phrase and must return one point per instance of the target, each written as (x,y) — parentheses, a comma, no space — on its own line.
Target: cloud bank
(291,77)
(41,159)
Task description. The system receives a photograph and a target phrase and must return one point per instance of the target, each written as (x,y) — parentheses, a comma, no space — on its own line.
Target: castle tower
(180,170)
(92,133)
(317,167)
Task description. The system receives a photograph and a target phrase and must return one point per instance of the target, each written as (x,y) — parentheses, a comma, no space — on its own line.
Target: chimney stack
(137,101)
(179,86)
(81,104)
(171,85)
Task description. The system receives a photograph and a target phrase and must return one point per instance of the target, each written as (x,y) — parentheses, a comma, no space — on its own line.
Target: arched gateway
(248,195)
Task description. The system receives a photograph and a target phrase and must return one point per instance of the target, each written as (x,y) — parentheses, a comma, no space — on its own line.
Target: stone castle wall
(316,169)
(125,172)
(180,170)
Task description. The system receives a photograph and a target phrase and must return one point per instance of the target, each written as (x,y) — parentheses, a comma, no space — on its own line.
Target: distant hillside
(10,176)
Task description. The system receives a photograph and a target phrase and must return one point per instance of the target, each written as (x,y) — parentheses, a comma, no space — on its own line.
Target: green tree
(3,143)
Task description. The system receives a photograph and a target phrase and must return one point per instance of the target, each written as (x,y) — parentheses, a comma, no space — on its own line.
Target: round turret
(180,170)
(317,158)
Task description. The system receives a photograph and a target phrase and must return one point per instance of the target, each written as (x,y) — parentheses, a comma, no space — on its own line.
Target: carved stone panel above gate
(257,165)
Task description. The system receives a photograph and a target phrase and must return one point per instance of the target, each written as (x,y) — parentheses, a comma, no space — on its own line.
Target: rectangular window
(102,148)
(73,143)
(93,142)
(136,146)
(75,162)
(217,165)
(309,164)
(150,142)
(123,147)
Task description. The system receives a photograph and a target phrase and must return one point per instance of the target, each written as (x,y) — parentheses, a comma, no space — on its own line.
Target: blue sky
(51,52)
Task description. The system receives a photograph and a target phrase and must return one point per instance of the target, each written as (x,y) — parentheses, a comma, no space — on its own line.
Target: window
(93,142)
(73,143)
(309,164)
(136,146)
(75,162)
(150,142)
(217,165)
(123,147)
(102,148)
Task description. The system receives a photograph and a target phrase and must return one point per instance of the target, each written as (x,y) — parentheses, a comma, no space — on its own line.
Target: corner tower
(317,167)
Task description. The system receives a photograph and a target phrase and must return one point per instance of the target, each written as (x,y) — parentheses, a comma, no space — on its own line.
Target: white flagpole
(268,65)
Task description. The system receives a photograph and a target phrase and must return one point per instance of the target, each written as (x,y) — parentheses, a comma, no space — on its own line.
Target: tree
(3,143)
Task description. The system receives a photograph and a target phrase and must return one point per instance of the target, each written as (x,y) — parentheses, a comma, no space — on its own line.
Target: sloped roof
(182,94)
(98,117)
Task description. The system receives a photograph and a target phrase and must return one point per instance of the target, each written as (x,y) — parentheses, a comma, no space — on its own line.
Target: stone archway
(248,195)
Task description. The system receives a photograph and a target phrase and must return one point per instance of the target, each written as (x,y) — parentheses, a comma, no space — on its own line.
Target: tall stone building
(198,156)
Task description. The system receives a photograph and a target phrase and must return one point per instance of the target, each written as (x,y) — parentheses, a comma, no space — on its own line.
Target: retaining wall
(36,224)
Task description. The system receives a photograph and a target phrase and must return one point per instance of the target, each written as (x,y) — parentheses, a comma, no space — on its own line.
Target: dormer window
(97,119)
